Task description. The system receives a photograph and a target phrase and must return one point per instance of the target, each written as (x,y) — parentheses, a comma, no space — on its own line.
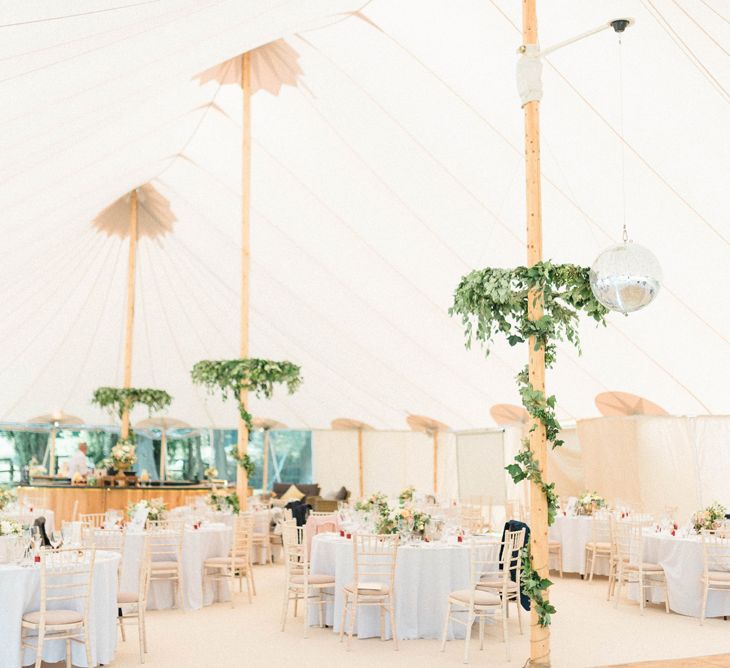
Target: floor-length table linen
(20,593)
(573,532)
(682,561)
(213,540)
(425,575)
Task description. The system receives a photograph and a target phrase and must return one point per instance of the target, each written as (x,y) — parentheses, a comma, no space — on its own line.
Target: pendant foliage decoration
(115,399)
(253,375)
(495,302)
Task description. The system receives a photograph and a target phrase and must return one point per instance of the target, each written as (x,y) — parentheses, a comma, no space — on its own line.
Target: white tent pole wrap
(539,635)
(129,327)
(242,478)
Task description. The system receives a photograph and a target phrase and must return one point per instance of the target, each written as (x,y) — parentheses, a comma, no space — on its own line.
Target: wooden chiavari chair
(132,605)
(66,578)
(165,546)
(631,567)
(715,565)
(300,582)
(490,591)
(600,544)
(237,564)
(374,582)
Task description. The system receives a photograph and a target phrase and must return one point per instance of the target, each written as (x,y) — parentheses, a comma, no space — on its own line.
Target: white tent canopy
(393,168)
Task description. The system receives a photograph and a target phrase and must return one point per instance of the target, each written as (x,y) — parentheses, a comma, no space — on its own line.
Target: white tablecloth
(573,533)
(425,575)
(20,593)
(681,559)
(198,545)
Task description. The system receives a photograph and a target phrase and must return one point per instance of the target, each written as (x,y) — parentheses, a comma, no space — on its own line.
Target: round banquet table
(681,558)
(573,532)
(212,540)
(425,575)
(20,593)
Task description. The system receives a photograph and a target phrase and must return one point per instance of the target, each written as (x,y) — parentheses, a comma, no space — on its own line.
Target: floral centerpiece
(708,519)
(156,509)
(406,495)
(374,502)
(589,502)
(123,455)
(8,495)
(225,502)
(211,473)
(9,527)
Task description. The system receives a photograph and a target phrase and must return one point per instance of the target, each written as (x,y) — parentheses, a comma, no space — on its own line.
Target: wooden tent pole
(361,476)
(242,478)
(265,481)
(163,455)
(539,636)
(52,453)
(435,462)
(129,329)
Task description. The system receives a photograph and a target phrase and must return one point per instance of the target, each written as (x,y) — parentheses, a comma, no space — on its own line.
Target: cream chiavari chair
(480,602)
(301,583)
(631,567)
(715,565)
(132,605)
(66,577)
(165,546)
(262,541)
(600,544)
(237,563)
(492,579)
(470,518)
(374,582)
(92,520)
(555,547)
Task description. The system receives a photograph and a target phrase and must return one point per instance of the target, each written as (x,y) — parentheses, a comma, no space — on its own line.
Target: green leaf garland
(253,375)
(116,398)
(495,301)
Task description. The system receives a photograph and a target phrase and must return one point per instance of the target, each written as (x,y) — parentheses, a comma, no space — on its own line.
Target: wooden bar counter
(61,498)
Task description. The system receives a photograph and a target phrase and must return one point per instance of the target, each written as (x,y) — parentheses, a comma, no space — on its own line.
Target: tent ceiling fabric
(393,167)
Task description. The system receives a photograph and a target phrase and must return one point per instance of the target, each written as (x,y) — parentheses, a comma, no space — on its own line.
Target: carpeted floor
(587,631)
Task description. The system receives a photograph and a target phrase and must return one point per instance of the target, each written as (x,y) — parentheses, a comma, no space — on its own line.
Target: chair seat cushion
(314,579)
(55,617)
(719,576)
(127,597)
(368,589)
(480,597)
(163,565)
(604,547)
(646,567)
(496,583)
(555,544)
(222,561)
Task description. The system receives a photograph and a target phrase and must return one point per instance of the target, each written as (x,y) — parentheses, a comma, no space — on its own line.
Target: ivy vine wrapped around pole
(230,377)
(495,301)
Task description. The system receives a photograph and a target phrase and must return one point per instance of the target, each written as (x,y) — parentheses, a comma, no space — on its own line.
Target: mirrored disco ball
(625,277)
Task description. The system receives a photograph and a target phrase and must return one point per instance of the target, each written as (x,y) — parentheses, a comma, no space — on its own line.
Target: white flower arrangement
(9,527)
(588,502)
(34,468)
(211,473)
(407,495)
(123,455)
(8,495)
(708,519)
(156,509)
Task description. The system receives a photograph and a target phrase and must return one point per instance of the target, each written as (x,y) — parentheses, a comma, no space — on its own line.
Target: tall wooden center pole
(539,636)
(242,478)
(265,482)
(436,462)
(129,329)
(361,476)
